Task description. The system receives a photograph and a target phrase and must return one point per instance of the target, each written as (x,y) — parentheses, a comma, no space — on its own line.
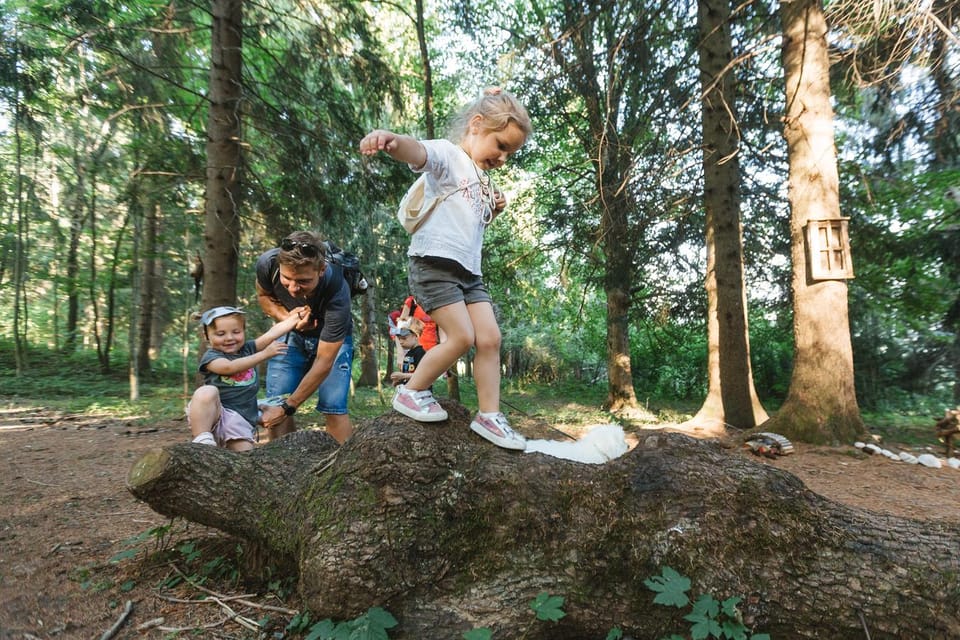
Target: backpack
(415,209)
(350,264)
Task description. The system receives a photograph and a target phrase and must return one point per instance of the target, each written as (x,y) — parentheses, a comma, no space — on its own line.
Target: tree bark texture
(620,393)
(151,283)
(731,397)
(222,228)
(369,365)
(821,405)
(450,533)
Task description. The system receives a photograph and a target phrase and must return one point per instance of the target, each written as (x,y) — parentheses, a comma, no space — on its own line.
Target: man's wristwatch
(287,408)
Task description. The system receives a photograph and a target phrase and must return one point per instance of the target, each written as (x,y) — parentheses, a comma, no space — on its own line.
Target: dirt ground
(65,513)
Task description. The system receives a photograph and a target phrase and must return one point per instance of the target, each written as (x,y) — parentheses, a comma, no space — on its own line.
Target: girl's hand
(302,318)
(499,202)
(378,140)
(275,348)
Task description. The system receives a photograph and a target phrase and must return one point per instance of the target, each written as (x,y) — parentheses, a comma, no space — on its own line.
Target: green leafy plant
(372,625)
(298,623)
(710,617)
(547,607)
(160,535)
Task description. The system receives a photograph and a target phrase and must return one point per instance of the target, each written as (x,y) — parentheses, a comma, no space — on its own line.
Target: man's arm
(270,305)
(318,372)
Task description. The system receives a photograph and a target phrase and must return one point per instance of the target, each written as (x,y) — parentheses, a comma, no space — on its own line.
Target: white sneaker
(419,405)
(205,438)
(497,430)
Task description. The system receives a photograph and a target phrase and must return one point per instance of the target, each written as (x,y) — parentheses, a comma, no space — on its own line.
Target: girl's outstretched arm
(399,147)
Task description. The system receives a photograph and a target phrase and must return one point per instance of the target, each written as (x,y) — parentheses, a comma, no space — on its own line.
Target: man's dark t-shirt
(329,303)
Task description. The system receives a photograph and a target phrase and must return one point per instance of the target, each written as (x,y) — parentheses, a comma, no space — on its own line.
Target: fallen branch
(325,463)
(185,600)
(149,624)
(239,619)
(109,633)
(209,625)
(43,484)
(238,599)
(231,614)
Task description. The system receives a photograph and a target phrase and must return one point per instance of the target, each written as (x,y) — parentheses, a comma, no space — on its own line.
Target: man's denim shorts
(285,371)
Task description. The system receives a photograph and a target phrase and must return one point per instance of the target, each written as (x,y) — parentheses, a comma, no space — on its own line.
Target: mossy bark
(450,533)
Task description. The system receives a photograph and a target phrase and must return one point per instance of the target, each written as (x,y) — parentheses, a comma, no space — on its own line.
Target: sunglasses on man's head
(306,249)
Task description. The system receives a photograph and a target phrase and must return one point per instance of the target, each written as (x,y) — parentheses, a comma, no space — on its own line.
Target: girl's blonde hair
(498,109)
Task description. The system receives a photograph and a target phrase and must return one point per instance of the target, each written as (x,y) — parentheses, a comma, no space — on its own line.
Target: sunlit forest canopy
(104,130)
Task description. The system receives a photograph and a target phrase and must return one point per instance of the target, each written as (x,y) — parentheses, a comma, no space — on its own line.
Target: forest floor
(76,548)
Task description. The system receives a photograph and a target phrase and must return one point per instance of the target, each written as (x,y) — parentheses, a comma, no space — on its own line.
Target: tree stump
(450,533)
(947,429)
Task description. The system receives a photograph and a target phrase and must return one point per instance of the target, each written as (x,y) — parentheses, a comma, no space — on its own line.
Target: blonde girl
(444,256)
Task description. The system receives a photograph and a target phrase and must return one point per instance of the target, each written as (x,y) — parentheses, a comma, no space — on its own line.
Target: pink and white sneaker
(497,430)
(419,405)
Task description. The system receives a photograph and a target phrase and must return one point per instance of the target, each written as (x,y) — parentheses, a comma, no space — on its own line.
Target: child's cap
(218,312)
(403,331)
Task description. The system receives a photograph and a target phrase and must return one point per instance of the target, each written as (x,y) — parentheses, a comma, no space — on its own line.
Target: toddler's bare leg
(204,410)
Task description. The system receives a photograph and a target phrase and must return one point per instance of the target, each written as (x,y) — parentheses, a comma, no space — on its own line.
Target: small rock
(929,460)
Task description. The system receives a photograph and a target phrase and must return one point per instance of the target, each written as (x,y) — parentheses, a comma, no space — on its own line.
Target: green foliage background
(102,122)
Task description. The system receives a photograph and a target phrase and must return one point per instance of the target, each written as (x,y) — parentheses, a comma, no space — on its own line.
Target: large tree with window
(821,405)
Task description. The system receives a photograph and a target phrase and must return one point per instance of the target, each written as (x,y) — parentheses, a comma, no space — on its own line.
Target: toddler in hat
(223,411)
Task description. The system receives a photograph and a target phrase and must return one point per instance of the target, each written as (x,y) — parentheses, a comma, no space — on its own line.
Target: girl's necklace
(487,194)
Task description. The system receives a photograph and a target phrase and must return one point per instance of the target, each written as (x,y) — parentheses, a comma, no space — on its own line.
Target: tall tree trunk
(731,397)
(944,139)
(223,195)
(112,286)
(620,392)
(617,281)
(20,252)
(162,305)
(369,366)
(821,405)
(150,284)
(453,383)
(103,350)
(76,212)
(428,119)
(947,155)
(135,214)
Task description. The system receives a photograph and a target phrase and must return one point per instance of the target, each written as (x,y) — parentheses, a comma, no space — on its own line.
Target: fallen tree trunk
(450,533)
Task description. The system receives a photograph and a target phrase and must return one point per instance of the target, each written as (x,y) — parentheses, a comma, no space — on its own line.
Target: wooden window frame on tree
(828,249)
